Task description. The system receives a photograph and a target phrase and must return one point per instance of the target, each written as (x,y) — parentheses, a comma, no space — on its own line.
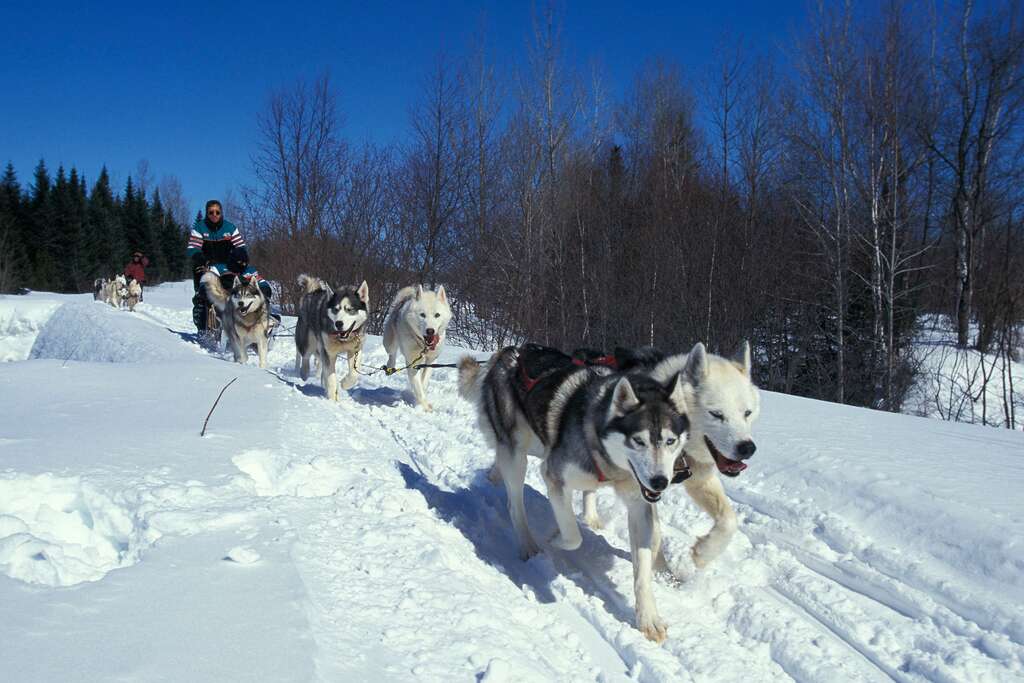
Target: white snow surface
(302,539)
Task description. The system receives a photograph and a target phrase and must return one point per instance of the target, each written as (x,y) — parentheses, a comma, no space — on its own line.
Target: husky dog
(593,427)
(243,314)
(723,409)
(99,289)
(416,324)
(133,294)
(117,288)
(330,323)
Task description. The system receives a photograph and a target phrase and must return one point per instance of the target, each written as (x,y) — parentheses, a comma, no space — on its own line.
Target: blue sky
(181,84)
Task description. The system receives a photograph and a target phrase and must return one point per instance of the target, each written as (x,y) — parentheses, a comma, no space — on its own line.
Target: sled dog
(117,289)
(331,322)
(592,426)
(415,325)
(133,293)
(725,404)
(99,289)
(243,314)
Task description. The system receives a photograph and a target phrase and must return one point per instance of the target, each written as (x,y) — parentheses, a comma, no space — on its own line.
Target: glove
(198,262)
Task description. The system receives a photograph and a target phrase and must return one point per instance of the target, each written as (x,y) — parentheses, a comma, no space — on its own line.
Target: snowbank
(21,319)
(94,332)
(60,531)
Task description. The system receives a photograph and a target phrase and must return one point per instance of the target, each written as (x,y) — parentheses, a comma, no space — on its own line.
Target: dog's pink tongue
(727,465)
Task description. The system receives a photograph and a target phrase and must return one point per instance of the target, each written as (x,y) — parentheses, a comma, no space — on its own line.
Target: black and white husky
(593,427)
(331,322)
(243,314)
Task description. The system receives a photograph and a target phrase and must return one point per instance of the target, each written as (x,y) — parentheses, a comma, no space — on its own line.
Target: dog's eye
(437,315)
(748,413)
(717,415)
(669,441)
(423,315)
(638,441)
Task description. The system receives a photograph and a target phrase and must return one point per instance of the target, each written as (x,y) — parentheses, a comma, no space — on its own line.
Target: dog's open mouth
(727,466)
(649,495)
(430,341)
(342,335)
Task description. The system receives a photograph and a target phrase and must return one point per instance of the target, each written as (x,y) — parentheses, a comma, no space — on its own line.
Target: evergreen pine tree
(105,225)
(40,238)
(13,210)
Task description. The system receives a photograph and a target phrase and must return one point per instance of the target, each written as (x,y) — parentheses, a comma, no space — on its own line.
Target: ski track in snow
(411,569)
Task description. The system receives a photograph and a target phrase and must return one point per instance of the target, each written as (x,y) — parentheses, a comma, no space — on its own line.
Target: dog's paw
(571,543)
(349,381)
(426,407)
(593,521)
(652,626)
(701,553)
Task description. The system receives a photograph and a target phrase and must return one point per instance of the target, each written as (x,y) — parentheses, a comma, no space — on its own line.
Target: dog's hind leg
(709,495)
(568,536)
(512,463)
(590,515)
(643,535)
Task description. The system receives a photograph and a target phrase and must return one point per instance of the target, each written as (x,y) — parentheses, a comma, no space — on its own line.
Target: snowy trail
(855,559)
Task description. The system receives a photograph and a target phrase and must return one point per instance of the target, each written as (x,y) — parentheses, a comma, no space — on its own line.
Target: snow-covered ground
(964,385)
(302,539)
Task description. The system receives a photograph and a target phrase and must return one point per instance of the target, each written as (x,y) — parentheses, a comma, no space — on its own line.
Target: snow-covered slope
(302,539)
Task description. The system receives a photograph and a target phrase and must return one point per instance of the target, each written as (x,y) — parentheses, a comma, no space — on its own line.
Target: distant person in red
(136,268)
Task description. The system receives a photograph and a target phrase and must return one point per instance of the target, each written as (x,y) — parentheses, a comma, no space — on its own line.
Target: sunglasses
(213,212)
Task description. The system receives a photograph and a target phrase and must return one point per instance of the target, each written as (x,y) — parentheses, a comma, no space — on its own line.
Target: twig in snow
(214,407)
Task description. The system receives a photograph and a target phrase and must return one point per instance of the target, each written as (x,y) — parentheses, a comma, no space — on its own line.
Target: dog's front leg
(353,371)
(238,348)
(261,350)
(710,496)
(590,515)
(417,389)
(643,536)
(568,536)
(327,376)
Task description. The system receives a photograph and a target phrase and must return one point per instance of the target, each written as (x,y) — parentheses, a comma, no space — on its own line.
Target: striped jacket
(216,244)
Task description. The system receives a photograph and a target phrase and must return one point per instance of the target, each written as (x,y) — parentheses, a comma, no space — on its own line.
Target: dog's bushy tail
(310,284)
(215,291)
(470,375)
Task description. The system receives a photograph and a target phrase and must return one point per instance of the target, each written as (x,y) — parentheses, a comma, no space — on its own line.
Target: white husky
(416,325)
(723,407)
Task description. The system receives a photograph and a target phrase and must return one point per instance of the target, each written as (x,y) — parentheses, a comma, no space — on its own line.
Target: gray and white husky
(724,405)
(133,294)
(243,314)
(593,427)
(416,325)
(331,322)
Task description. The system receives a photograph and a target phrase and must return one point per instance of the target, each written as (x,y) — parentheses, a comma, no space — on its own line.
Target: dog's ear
(364,293)
(441,295)
(623,399)
(419,292)
(679,393)
(696,368)
(741,359)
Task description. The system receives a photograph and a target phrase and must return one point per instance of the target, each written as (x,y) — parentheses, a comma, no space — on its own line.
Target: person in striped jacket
(215,244)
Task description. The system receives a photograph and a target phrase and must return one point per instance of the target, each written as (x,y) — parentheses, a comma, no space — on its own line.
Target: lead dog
(724,406)
(592,426)
(330,323)
(243,314)
(416,325)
